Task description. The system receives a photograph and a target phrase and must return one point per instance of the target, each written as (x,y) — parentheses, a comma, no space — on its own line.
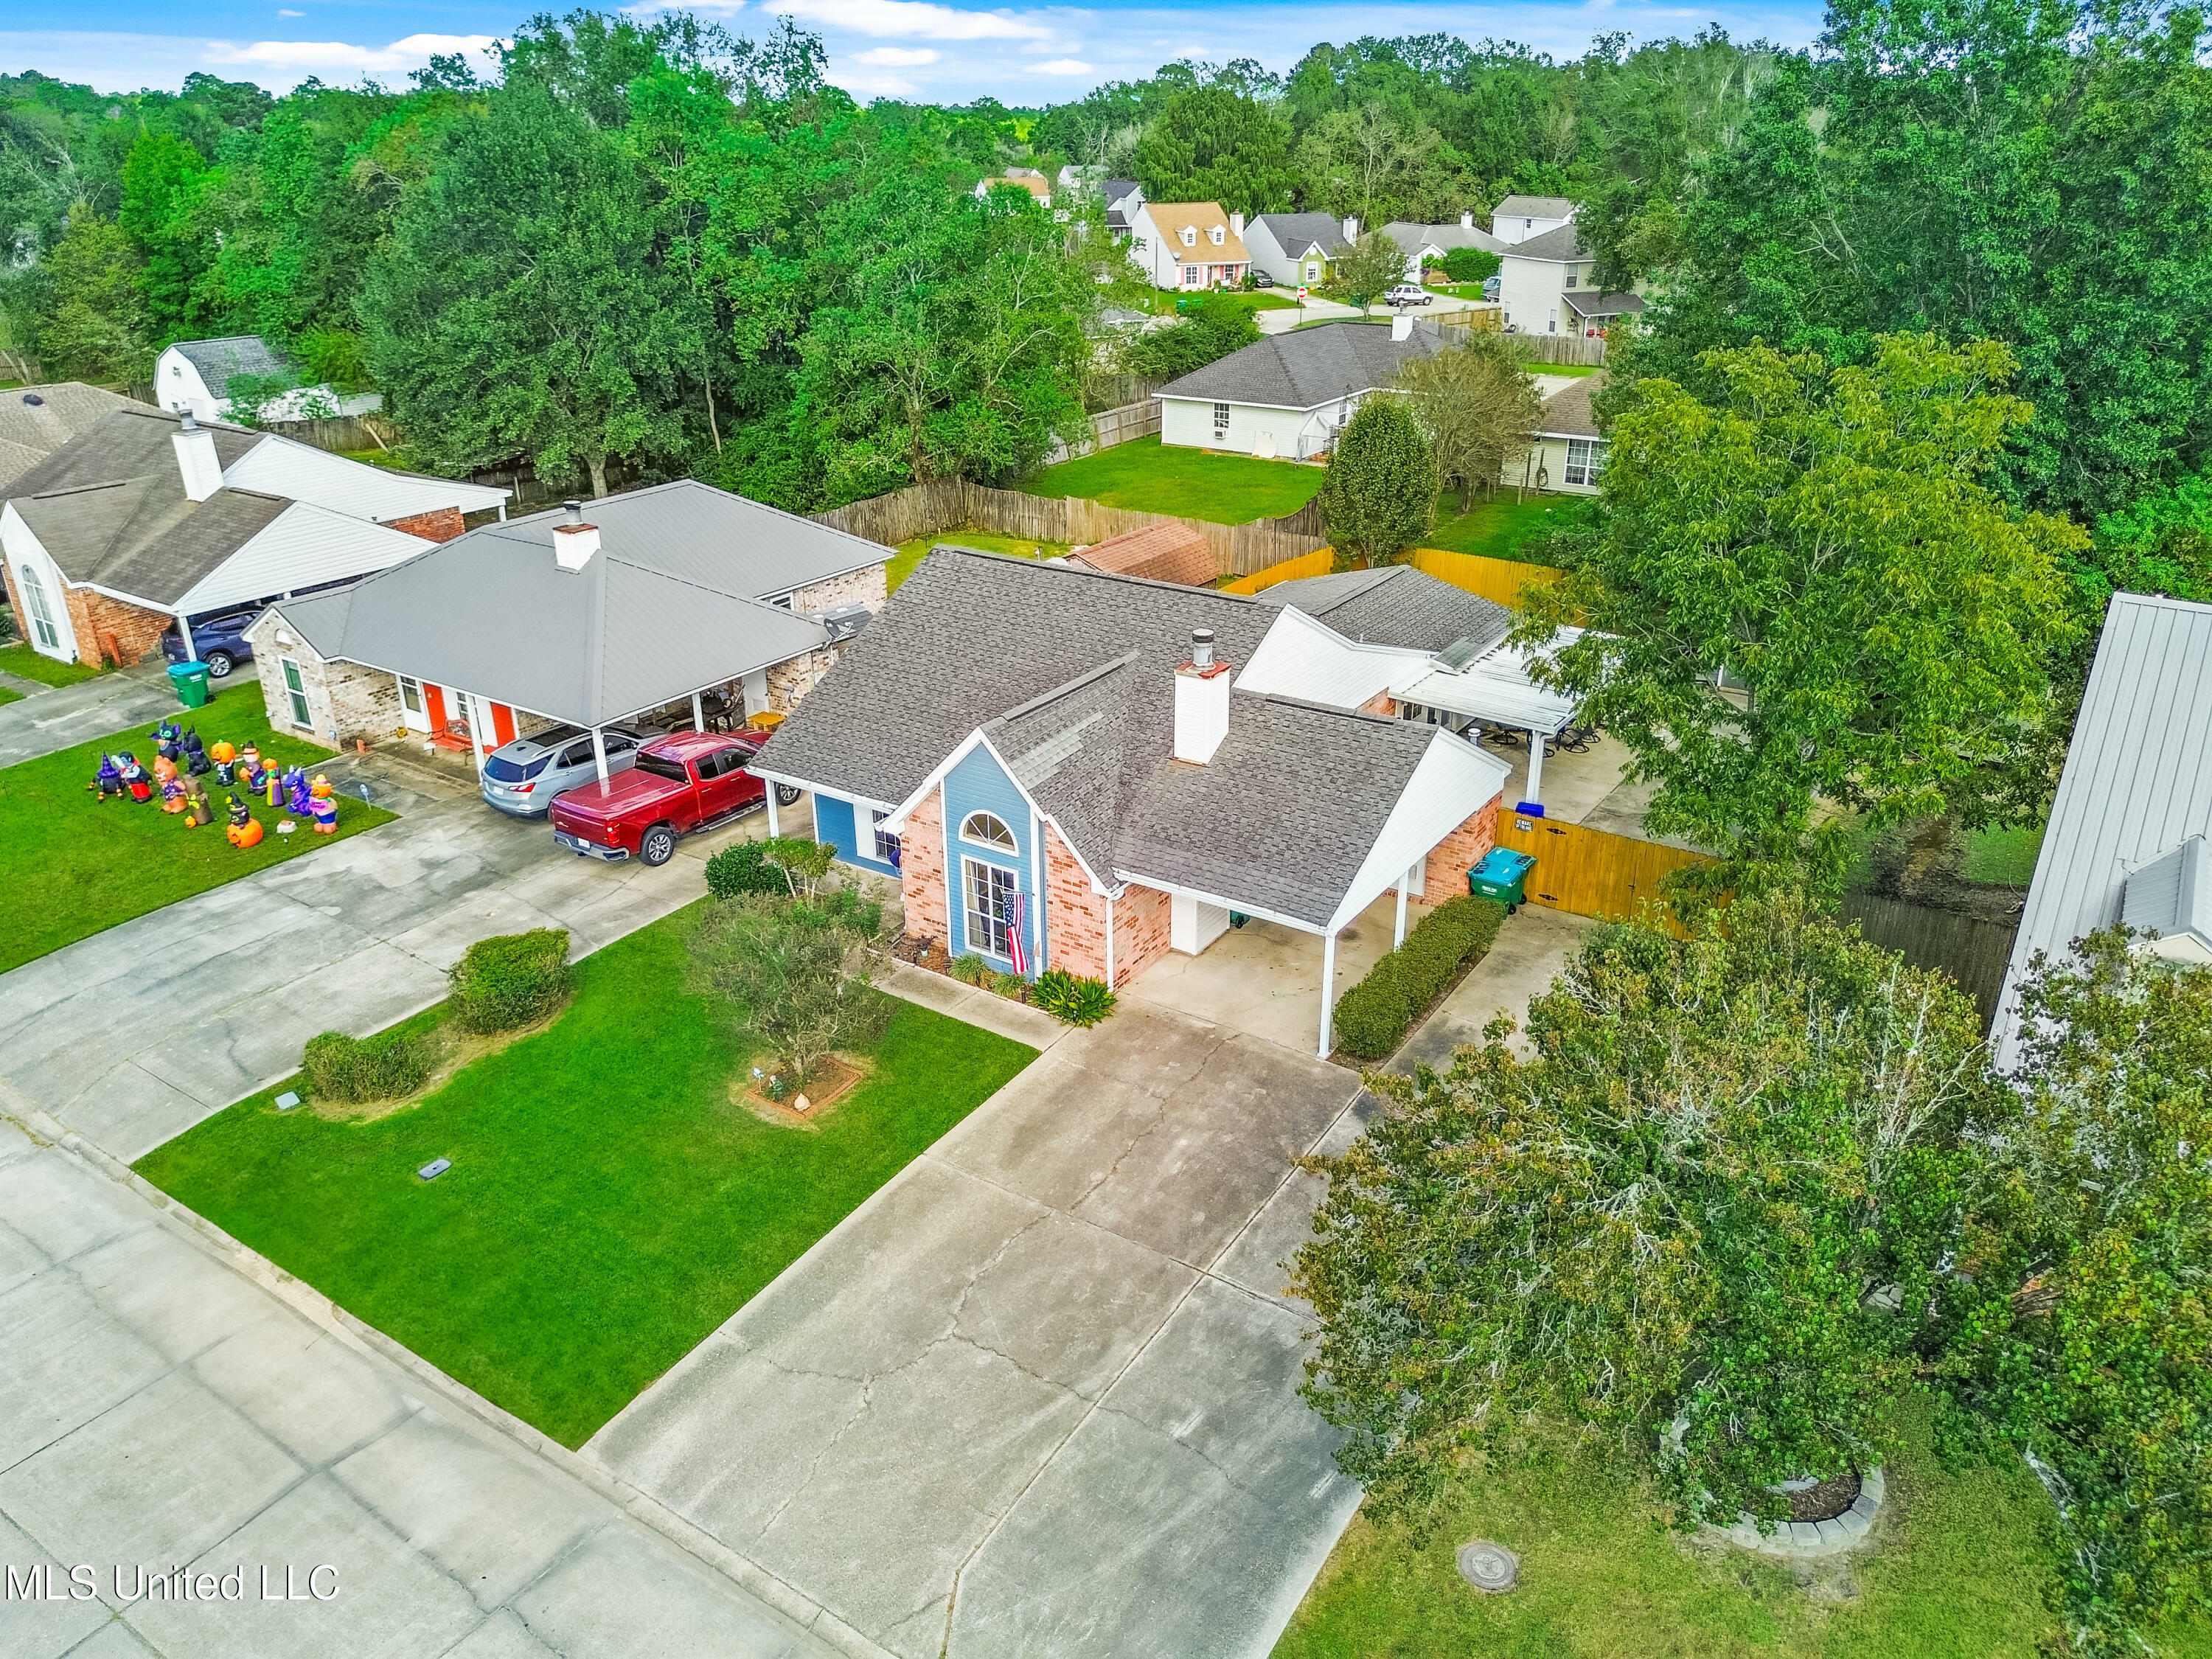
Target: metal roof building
(2135,800)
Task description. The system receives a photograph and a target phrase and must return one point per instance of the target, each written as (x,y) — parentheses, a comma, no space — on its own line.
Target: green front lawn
(609,1204)
(910,554)
(2003,858)
(1960,1572)
(1149,476)
(1500,527)
(1163,301)
(77,866)
(26,664)
(7,696)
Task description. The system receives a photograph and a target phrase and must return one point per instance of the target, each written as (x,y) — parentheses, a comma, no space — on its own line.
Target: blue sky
(897,48)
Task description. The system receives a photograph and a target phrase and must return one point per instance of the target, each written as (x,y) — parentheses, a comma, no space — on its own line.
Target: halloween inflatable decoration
(169,740)
(322,805)
(295,792)
(225,762)
(196,809)
(136,783)
(196,759)
(108,781)
(173,790)
(245,828)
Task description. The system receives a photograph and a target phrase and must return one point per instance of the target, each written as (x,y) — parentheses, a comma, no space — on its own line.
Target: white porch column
(599,751)
(1327,995)
(698,714)
(184,629)
(1535,769)
(1397,937)
(770,799)
(1109,940)
(502,511)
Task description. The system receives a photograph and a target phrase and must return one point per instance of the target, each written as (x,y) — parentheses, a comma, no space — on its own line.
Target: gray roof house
(1285,396)
(37,420)
(2126,840)
(1518,218)
(1111,782)
(1397,606)
(1569,451)
(145,516)
(664,594)
(1294,248)
(1427,245)
(196,374)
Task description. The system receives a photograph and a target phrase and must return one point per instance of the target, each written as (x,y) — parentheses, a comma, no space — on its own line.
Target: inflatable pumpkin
(322,805)
(245,828)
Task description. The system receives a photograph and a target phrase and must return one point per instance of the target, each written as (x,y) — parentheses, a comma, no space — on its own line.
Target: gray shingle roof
(1294,233)
(1586,304)
(673,602)
(1412,237)
(37,420)
(240,354)
(1396,605)
(1306,367)
(1568,412)
(1532,207)
(1559,246)
(1070,673)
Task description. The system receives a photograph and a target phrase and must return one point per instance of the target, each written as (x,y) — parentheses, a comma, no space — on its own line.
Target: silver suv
(522,777)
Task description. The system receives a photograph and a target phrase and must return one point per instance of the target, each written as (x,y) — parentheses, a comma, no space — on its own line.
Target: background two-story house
(1189,245)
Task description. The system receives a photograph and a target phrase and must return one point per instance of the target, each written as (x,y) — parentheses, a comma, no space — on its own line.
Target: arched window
(43,631)
(988,831)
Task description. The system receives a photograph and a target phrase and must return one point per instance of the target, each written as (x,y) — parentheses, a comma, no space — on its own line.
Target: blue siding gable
(850,830)
(978,785)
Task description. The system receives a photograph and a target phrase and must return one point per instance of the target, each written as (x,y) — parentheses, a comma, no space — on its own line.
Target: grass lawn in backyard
(1149,476)
(2005,858)
(77,866)
(1499,527)
(1573,371)
(1961,1570)
(910,554)
(26,664)
(609,1204)
(1164,301)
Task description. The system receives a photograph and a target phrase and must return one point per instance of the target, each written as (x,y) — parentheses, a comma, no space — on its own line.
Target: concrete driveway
(1037,1396)
(1532,947)
(51,717)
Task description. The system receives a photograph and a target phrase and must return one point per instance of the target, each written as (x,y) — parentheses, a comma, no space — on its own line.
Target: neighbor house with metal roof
(586,615)
(199,375)
(1288,396)
(146,516)
(1129,764)
(2126,841)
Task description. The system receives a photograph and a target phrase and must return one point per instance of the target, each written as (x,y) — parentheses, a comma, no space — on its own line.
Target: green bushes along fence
(1374,1016)
(515,979)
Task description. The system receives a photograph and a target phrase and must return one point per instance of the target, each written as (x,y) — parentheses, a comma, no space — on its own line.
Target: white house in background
(1122,197)
(2127,837)
(1548,285)
(1189,245)
(196,375)
(1297,249)
(1286,397)
(1567,455)
(1027,178)
(1523,218)
(1427,245)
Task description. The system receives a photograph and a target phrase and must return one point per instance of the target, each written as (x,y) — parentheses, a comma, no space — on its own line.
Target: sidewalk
(51,717)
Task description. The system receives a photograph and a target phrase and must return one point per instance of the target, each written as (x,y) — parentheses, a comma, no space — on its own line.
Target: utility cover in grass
(608,1205)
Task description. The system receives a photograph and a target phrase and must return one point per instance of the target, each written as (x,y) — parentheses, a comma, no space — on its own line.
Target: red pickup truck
(690,780)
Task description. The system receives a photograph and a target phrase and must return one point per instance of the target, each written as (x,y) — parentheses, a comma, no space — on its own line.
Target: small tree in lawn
(805,864)
(795,977)
(1365,270)
(1478,408)
(2081,1334)
(1669,1222)
(1380,496)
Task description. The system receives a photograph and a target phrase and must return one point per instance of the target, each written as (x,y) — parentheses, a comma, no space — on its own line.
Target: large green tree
(1380,495)
(96,327)
(1478,408)
(1216,144)
(1829,536)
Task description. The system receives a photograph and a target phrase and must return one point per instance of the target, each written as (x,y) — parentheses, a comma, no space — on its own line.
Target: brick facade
(1141,920)
(343,697)
(789,681)
(440,524)
(1444,876)
(110,630)
(1075,931)
(865,586)
(922,871)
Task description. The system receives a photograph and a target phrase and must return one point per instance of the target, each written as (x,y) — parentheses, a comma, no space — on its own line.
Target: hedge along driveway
(77,866)
(609,1206)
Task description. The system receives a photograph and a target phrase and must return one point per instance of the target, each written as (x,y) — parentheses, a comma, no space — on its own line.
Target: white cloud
(897,56)
(653,8)
(415,50)
(1061,66)
(291,14)
(917,19)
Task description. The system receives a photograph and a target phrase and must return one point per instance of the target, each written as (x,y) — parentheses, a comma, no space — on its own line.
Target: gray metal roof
(670,603)
(239,354)
(1297,233)
(1070,674)
(1559,246)
(1396,605)
(1307,367)
(1568,412)
(2137,783)
(1586,304)
(37,420)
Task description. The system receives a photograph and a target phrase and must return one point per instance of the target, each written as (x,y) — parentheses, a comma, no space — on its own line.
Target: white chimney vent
(1201,703)
(1237,224)
(575,542)
(196,458)
(1401,327)
(1467,221)
(1352,229)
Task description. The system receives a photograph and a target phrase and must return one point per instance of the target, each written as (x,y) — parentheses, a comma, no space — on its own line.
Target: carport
(1492,689)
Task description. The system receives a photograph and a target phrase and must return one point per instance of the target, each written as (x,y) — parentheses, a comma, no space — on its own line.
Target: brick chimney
(1201,704)
(575,542)
(196,458)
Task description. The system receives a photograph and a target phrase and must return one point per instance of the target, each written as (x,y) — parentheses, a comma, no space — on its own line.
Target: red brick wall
(107,627)
(1445,874)
(922,871)
(442,524)
(1140,932)
(1380,703)
(1075,920)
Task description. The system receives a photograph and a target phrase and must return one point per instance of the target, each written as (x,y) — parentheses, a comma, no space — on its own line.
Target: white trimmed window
(1313,272)
(1190,236)
(1221,420)
(295,693)
(1585,460)
(1190,276)
(885,843)
(990,908)
(44,634)
(988,830)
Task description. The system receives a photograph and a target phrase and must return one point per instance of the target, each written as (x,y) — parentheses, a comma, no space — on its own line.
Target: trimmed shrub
(970,969)
(514,979)
(1374,1016)
(1073,1000)
(341,1067)
(744,868)
(1006,985)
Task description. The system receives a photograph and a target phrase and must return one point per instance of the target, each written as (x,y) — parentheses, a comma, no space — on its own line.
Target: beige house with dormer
(1189,245)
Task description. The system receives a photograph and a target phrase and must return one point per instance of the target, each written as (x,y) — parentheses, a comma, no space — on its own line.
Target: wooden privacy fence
(1591,873)
(931,509)
(1971,950)
(1110,427)
(1575,350)
(1316,563)
(1499,580)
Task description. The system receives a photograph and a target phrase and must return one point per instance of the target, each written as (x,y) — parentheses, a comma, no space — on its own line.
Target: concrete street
(1037,1396)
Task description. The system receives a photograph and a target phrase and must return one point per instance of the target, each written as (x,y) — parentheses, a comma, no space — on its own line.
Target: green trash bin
(191,679)
(1502,875)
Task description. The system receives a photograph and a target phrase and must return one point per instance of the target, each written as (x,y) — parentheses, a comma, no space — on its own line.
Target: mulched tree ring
(1824,1500)
(1491,1568)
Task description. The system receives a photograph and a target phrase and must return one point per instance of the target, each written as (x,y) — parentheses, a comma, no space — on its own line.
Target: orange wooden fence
(1316,563)
(1591,873)
(1499,580)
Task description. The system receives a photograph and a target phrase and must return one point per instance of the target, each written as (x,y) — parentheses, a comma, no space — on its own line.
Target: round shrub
(514,979)
(970,969)
(341,1067)
(744,868)
(1073,1000)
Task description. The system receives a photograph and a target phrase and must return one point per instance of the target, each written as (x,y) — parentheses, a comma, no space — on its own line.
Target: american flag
(1017,947)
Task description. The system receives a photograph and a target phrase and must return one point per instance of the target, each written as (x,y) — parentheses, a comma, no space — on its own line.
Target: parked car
(219,640)
(686,781)
(1261,279)
(1408,294)
(521,778)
